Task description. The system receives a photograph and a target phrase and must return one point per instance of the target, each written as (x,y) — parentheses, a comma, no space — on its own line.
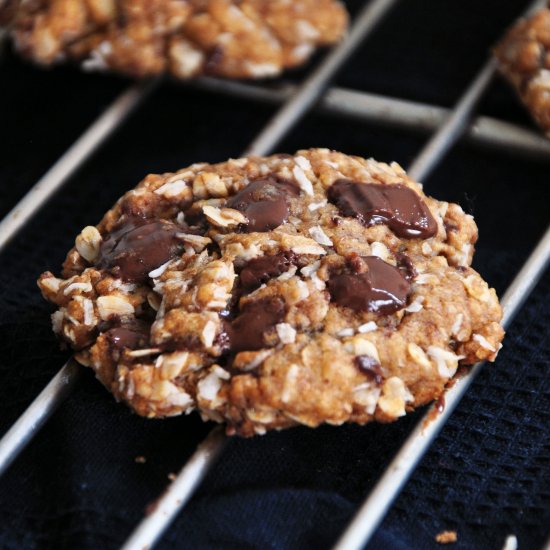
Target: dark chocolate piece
(121,338)
(371,367)
(396,206)
(139,246)
(247,331)
(406,266)
(264,202)
(260,270)
(382,288)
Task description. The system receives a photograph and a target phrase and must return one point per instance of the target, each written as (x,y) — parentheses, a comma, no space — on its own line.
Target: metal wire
(316,84)
(178,492)
(73,158)
(36,415)
(447,136)
(30,422)
(398,113)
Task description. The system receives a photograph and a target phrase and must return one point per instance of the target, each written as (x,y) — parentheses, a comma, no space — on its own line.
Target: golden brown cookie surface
(524,59)
(233,38)
(268,292)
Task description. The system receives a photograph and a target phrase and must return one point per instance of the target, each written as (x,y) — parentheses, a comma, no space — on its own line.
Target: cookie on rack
(239,39)
(523,58)
(270,292)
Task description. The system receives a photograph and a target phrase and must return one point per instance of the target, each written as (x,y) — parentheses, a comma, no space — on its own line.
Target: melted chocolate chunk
(247,331)
(120,338)
(371,367)
(406,266)
(264,203)
(396,206)
(139,246)
(381,289)
(260,270)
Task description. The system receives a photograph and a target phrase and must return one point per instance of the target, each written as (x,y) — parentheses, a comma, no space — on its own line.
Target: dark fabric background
(78,486)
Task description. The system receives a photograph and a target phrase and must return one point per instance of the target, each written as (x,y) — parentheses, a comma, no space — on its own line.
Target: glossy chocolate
(371,367)
(139,246)
(396,206)
(406,266)
(264,202)
(260,270)
(247,331)
(122,337)
(380,288)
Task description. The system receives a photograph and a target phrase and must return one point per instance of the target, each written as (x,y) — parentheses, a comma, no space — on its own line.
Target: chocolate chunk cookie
(270,292)
(240,39)
(524,59)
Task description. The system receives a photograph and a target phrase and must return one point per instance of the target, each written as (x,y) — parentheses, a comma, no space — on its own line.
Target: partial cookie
(524,59)
(269,292)
(240,39)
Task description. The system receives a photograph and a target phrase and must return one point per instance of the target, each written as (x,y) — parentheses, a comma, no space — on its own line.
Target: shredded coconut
(88,307)
(85,287)
(320,236)
(171,189)
(416,306)
(209,386)
(286,333)
(287,274)
(457,324)
(380,250)
(303,181)
(316,205)
(367,327)
(159,270)
(483,342)
(302,162)
(447,362)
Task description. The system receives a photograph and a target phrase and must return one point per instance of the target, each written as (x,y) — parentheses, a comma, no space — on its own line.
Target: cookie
(270,292)
(524,59)
(239,39)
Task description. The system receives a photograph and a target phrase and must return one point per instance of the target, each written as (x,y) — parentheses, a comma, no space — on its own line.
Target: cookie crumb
(446,537)
(172,476)
(140,460)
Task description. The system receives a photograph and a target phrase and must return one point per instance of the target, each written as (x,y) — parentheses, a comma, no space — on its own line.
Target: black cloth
(78,485)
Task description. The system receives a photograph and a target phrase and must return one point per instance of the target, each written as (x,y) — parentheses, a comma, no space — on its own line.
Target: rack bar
(30,422)
(178,492)
(314,86)
(72,159)
(400,113)
(397,473)
(449,133)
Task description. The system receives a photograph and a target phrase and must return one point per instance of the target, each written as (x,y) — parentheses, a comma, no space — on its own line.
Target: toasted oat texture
(270,292)
(524,59)
(233,38)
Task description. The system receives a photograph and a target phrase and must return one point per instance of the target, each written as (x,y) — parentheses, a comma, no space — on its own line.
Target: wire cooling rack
(446,126)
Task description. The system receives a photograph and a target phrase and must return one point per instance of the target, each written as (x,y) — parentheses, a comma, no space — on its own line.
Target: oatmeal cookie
(524,59)
(268,292)
(232,38)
